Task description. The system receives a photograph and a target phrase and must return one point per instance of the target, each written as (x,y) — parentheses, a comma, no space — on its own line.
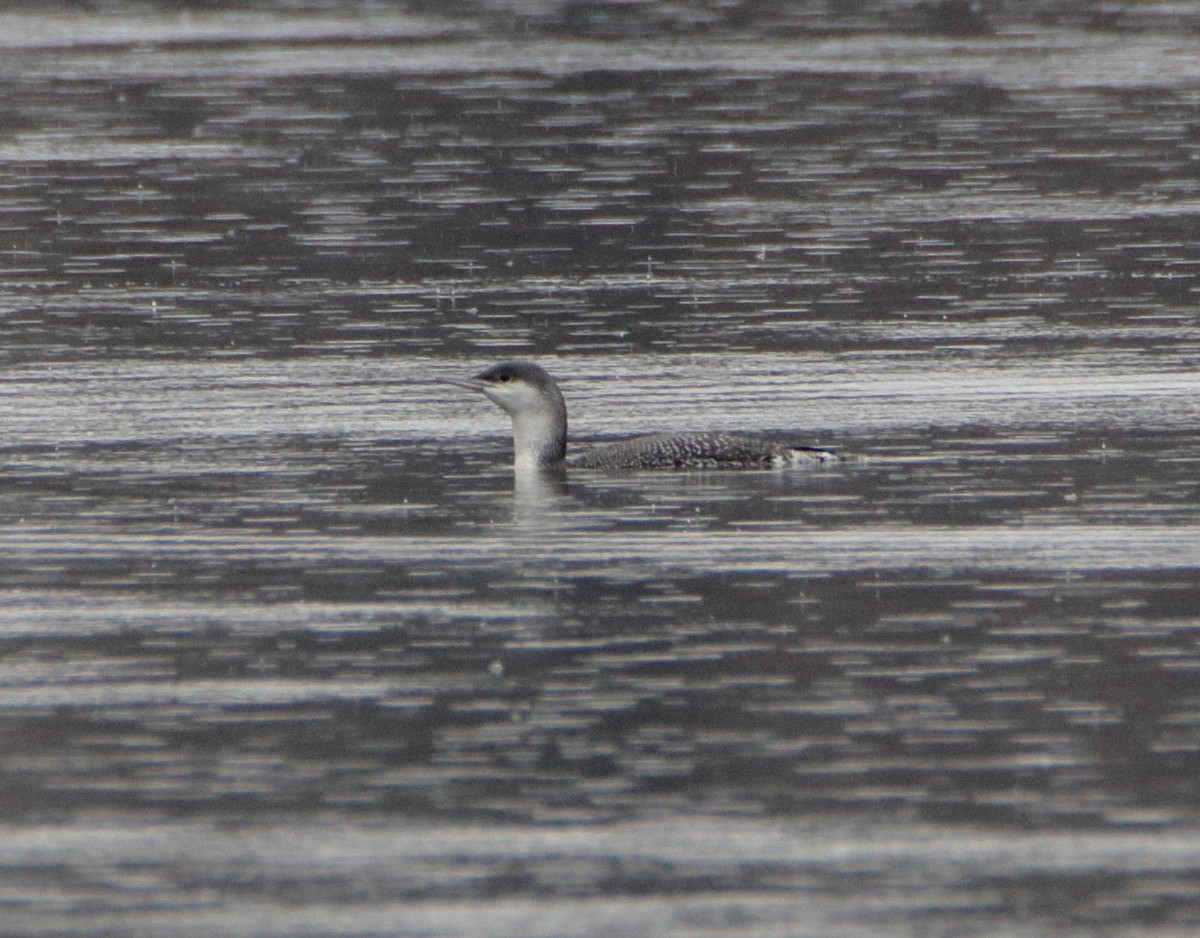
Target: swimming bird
(531,397)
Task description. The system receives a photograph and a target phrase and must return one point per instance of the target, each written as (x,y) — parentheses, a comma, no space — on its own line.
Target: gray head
(528,394)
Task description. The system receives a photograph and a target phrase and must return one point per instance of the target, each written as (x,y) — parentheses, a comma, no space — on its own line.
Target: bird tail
(807,455)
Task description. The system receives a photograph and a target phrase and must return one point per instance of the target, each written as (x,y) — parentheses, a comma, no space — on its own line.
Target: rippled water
(283,651)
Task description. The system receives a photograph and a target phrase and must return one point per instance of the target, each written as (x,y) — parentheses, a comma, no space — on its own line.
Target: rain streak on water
(283,651)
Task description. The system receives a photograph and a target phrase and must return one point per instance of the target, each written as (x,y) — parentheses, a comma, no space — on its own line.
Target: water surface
(283,651)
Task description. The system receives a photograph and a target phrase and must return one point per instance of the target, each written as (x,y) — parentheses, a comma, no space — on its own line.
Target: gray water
(283,651)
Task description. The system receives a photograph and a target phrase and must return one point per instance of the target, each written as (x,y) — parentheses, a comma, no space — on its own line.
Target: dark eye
(504,376)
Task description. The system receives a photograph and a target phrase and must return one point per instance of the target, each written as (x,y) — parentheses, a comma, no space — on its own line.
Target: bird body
(697,451)
(539,414)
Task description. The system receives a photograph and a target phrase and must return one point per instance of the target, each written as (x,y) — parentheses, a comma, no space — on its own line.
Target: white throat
(535,437)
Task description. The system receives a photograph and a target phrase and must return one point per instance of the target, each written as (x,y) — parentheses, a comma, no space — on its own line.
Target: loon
(532,399)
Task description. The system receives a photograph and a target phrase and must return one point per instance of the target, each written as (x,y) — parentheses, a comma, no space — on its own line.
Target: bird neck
(540,439)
